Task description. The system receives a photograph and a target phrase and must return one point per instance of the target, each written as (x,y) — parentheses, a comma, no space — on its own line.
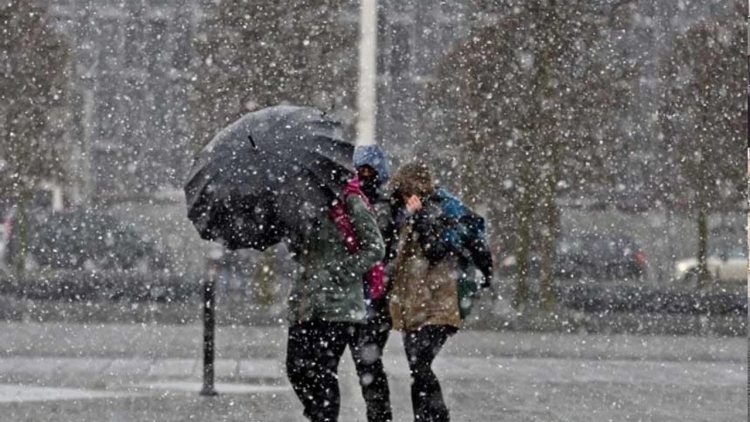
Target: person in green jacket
(327,307)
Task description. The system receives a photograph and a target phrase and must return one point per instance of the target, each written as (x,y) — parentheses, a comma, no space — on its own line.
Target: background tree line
(34,99)
(535,104)
(253,54)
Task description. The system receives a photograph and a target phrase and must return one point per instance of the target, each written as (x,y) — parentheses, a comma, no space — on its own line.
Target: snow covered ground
(137,372)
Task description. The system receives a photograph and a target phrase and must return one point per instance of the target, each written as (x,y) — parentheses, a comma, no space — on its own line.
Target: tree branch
(616,6)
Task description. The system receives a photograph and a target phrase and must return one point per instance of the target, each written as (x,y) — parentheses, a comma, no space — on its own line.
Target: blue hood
(373,156)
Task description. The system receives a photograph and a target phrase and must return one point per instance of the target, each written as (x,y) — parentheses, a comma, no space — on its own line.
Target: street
(152,372)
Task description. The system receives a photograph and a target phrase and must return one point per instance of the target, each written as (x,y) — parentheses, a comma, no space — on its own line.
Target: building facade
(132,81)
(131,62)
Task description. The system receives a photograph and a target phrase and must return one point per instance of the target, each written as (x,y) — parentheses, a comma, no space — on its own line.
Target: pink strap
(375,277)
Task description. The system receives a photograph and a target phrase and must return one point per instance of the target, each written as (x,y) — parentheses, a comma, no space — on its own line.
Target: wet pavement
(152,372)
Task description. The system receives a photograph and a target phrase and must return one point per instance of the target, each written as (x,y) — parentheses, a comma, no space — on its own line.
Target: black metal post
(209,303)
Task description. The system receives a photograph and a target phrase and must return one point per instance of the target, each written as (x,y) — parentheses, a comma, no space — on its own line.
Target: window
(182,49)
(156,45)
(134,44)
(108,36)
(399,51)
(106,111)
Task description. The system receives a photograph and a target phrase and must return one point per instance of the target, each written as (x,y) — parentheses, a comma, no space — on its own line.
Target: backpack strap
(375,277)
(340,216)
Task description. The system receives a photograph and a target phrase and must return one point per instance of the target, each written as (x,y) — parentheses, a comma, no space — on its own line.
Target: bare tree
(703,114)
(261,53)
(33,80)
(527,103)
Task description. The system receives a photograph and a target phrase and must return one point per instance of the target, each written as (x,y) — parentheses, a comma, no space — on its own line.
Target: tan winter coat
(421,294)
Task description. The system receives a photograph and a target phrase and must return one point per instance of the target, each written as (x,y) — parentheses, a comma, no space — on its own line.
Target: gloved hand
(486,281)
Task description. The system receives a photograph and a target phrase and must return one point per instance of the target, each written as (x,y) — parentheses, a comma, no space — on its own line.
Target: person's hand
(486,283)
(413,204)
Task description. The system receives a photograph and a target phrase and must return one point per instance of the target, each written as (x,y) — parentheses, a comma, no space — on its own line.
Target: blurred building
(132,82)
(132,77)
(413,37)
(132,61)
(130,101)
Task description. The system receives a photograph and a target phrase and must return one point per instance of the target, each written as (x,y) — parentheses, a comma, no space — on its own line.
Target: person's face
(368,182)
(367,172)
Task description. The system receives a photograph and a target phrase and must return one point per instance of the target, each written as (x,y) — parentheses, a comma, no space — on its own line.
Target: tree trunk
(703,275)
(548,124)
(525,210)
(667,273)
(19,234)
(549,241)
(266,275)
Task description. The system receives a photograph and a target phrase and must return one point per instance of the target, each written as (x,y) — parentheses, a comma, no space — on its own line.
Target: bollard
(209,306)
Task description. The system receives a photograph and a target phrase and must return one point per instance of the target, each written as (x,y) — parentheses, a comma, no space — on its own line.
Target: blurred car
(611,256)
(725,261)
(84,240)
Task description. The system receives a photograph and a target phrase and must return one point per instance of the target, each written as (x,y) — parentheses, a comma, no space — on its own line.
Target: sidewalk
(251,370)
(76,372)
(234,310)
(154,341)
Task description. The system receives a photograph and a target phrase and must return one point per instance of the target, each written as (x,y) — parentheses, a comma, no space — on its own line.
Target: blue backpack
(462,228)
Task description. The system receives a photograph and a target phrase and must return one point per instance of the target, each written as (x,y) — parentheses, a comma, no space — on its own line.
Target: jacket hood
(373,156)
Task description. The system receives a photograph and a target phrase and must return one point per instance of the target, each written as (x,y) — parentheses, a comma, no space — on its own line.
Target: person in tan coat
(423,298)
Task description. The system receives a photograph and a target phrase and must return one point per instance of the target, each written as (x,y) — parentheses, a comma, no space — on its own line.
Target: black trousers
(422,346)
(367,356)
(313,353)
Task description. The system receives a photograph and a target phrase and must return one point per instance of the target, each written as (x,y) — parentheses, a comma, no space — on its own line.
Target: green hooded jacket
(329,285)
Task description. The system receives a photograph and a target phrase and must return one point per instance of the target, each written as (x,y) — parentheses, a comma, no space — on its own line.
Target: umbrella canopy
(267,176)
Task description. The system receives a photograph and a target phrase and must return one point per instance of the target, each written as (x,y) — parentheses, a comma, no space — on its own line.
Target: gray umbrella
(267,176)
